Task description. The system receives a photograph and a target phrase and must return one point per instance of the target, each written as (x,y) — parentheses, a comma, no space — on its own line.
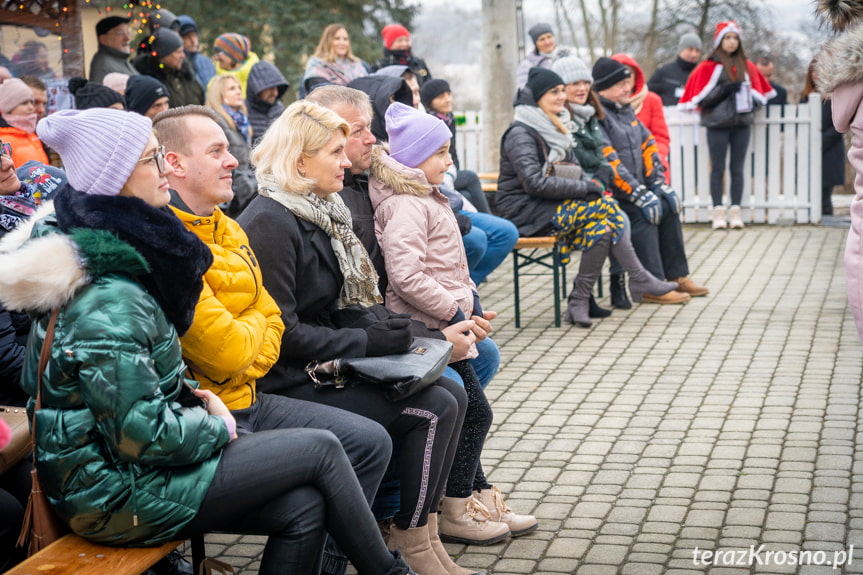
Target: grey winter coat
(634,145)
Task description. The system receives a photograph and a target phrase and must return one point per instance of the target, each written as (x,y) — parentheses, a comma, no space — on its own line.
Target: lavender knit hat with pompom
(413,135)
(100,147)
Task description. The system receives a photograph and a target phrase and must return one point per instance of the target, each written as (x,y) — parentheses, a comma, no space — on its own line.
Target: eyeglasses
(6,149)
(158,158)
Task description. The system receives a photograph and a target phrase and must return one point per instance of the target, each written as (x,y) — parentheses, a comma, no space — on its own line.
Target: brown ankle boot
(492,498)
(671,297)
(416,550)
(466,520)
(686,285)
(451,566)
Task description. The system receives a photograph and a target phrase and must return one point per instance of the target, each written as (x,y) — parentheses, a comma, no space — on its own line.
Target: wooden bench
(488,181)
(543,252)
(74,555)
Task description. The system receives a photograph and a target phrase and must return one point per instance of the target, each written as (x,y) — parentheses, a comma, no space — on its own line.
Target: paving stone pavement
(725,424)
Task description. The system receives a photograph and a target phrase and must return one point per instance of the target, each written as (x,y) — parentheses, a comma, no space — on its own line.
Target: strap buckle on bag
(331,367)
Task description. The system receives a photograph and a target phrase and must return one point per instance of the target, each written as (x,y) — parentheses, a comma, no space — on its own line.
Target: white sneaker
(719,218)
(735,218)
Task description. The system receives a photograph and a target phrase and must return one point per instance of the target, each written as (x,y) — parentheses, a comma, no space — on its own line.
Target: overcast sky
(788,11)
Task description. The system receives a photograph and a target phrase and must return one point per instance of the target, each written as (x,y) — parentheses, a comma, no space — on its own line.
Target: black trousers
(294,485)
(365,442)
(427,427)
(659,248)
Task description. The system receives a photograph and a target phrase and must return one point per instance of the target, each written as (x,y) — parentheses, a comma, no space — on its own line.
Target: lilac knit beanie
(100,147)
(414,136)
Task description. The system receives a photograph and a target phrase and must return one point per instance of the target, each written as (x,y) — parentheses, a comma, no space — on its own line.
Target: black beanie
(92,95)
(541,80)
(431,90)
(607,73)
(165,41)
(142,91)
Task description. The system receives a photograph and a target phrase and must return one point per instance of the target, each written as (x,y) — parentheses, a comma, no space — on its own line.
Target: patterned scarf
(241,121)
(360,286)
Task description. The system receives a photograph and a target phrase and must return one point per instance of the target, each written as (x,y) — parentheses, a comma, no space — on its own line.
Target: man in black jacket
(264,90)
(639,185)
(668,80)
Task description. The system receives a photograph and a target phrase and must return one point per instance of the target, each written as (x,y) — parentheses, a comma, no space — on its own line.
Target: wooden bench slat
(76,556)
(541,242)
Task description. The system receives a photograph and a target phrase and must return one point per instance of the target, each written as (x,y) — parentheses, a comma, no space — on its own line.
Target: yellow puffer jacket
(237,332)
(241,73)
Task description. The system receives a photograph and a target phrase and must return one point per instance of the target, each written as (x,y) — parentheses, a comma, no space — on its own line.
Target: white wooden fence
(782,170)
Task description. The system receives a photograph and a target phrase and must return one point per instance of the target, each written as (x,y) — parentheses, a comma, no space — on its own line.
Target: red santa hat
(724,28)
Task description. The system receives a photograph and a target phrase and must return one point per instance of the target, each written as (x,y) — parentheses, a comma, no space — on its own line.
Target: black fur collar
(177,258)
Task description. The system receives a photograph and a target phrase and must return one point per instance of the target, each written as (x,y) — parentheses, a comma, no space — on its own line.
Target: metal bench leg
(515,288)
(556,266)
(199,552)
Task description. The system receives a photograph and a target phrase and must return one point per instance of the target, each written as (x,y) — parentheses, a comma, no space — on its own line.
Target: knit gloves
(662,189)
(649,203)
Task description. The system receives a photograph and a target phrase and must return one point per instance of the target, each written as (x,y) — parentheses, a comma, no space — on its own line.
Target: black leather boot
(595,311)
(619,299)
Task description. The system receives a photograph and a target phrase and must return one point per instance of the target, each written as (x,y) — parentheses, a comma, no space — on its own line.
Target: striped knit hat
(235,46)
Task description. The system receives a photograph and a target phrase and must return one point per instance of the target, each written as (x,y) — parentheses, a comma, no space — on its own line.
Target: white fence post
(782,171)
(468,140)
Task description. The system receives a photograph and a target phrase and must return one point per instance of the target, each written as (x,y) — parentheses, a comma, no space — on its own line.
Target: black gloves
(605,175)
(389,336)
(464,224)
(594,191)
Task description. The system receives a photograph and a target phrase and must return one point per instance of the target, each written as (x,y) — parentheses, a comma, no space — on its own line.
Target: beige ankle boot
(416,550)
(492,498)
(451,566)
(466,520)
(719,222)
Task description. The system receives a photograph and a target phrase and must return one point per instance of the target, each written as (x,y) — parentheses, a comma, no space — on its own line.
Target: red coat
(705,77)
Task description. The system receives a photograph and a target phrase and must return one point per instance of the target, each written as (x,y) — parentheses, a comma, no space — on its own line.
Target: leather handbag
(41,525)
(567,170)
(20,444)
(400,375)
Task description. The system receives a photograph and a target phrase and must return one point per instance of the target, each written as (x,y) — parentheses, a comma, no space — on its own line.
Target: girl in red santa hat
(726,88)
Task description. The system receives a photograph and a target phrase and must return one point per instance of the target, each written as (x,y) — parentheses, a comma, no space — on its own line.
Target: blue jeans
(485,364)
(488,243)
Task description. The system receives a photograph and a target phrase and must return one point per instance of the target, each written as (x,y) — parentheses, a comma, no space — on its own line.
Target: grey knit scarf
(558,144)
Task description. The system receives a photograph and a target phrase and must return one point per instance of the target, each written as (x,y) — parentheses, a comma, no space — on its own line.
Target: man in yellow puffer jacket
(236,335)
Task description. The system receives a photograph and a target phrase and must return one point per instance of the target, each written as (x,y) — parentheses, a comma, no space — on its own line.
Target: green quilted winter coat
(120,460)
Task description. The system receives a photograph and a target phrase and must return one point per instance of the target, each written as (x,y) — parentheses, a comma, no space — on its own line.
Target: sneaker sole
(450,539)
